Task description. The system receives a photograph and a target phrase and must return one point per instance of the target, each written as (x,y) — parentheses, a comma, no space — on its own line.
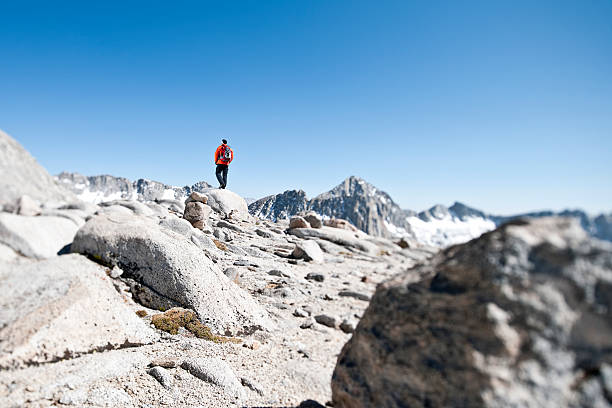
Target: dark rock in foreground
(519,317)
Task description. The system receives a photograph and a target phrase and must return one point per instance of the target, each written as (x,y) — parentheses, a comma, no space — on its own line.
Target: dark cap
(223,141)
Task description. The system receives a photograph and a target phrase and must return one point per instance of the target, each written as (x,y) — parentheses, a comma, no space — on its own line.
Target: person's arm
(232,158)
(216,155)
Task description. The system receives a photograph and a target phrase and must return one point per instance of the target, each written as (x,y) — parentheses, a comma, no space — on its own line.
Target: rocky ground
(310,308)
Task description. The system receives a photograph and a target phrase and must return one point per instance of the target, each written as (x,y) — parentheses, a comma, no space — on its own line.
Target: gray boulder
(197,213)
(22,175)
(227,202)
(179,225)
(314,220)
(136,207)
(27,206)
(337,236)
(114,209)
(76,216)
(172,266)
(215,371)
(224,234)
(309,251)
(519,317)
(62,307)
(162,375)
(36,237)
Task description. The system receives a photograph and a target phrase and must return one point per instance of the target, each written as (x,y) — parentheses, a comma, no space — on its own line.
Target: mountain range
(375,212)
(97,189)
(355,200)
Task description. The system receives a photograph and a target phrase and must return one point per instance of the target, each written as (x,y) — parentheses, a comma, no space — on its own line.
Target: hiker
(223,157)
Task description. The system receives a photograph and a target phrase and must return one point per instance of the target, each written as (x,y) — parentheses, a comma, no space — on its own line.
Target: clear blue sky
(504,105)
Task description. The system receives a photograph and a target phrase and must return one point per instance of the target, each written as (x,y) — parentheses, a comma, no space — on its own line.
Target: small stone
(347,326)
(224,234)
(198,224)
(326,320)
(292,261)
(299,312)
(276,272)
(242,262)
(251,344)
(402,243)
(263,233)
(164,362)
(308,323)
(116,272)
(309,251)
(310,404)
(356,295)
(315,277)
(281,306)
(162,375)
(230,226)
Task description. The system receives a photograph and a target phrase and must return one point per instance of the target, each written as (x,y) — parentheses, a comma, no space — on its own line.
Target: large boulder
(298,222)
(36,237)
(519,317)
(136,207)
(340,223)
(171,266)
(197,213)
(22,175)
(62,307)
(338,236)
(314,220)
(308,250)
(227,202)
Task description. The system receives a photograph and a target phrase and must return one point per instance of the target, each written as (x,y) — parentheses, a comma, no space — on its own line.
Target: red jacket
(219,154)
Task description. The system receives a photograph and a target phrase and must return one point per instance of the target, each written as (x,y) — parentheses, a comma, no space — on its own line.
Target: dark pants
(222,174)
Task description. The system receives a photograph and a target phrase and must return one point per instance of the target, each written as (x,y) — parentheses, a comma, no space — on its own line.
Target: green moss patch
(177,317)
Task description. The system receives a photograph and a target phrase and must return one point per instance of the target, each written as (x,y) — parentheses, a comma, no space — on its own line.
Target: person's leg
(225,169)
(219,175)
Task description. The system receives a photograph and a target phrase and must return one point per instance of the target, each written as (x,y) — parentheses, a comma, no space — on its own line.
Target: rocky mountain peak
(280,206)
(463,211)
(436,212)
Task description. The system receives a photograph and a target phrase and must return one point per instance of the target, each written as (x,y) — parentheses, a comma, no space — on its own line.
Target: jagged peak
(462,211)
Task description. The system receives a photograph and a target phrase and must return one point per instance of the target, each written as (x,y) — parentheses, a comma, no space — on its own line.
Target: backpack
(226,154)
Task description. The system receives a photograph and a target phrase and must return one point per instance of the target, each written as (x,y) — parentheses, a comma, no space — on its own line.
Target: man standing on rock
(223,157)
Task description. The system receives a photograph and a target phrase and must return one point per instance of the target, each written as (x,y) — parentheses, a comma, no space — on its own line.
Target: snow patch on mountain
(447,230)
